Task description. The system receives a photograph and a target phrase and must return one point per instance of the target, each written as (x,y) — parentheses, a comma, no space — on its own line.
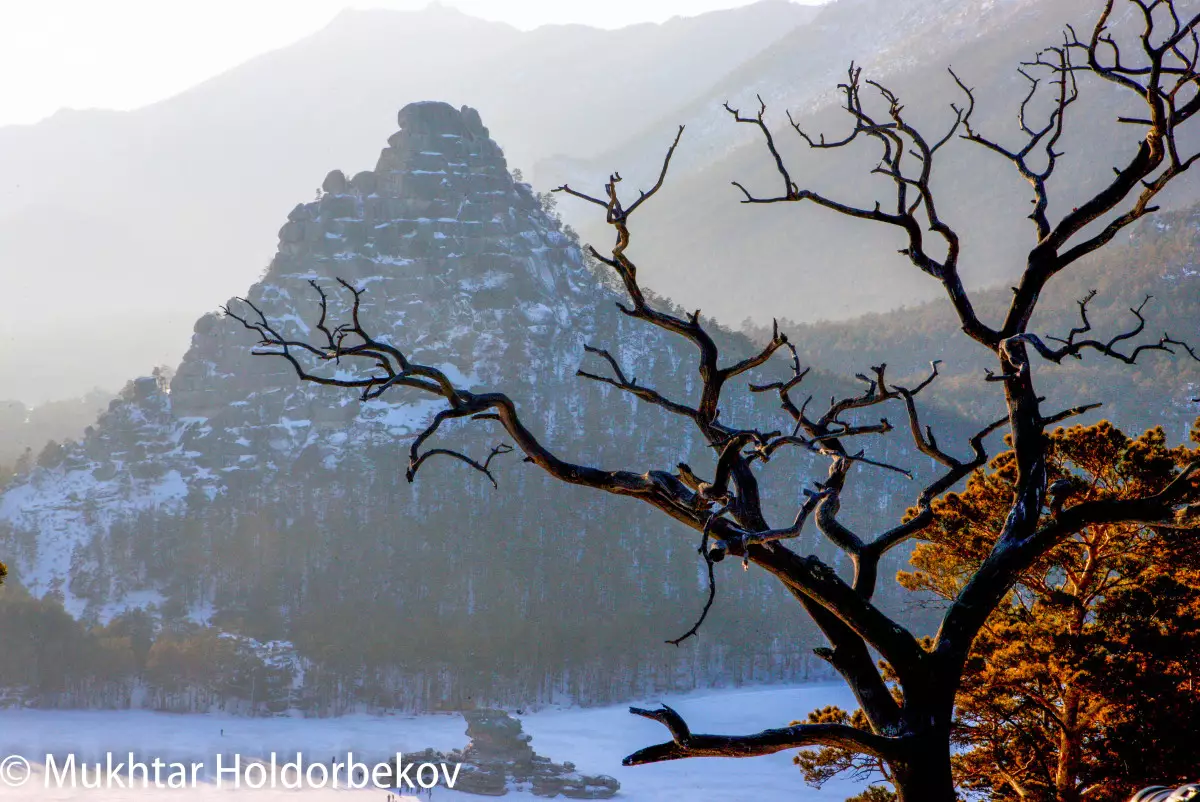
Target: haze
(122,54)
(202,125)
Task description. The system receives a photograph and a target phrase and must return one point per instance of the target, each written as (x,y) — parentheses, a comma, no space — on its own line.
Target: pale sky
(123,54)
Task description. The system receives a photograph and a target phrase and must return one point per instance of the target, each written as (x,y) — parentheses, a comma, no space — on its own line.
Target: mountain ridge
(224,156)
(704,226)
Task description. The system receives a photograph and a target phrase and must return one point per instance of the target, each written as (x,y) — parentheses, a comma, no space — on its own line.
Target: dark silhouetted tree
(1153,60)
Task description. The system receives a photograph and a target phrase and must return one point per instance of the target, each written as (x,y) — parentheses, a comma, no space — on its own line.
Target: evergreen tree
(1080,685)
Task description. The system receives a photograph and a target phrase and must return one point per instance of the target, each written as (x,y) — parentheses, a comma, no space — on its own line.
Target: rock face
(499,759)
(497,737)
(335,182)
(445,243)
(502,757)
(244,495)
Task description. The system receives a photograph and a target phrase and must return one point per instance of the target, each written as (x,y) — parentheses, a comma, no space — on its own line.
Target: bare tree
(908,731)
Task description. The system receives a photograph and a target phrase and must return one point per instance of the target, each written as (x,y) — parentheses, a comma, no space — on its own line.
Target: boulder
(335,183)
(364,182)
(500,752)
(434,117)
(292,231)
(496,737)
(301,212)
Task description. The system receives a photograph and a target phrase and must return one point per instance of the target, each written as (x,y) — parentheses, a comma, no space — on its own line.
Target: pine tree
(1081,684)
(824,764)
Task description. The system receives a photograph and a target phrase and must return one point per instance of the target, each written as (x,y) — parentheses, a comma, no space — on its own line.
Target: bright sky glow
(123,54)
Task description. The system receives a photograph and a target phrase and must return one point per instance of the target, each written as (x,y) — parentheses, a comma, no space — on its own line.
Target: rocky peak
(435,118)
(444,240)
(440,151)
(463,269)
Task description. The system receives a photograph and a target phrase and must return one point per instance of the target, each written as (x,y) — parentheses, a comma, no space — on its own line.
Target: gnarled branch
(684,743)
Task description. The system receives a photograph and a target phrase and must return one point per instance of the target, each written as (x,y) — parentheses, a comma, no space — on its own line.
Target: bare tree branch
(712,579)
(684,743)
(1073,347)
(912,736)
(631,386)
(483,467)
(915,210)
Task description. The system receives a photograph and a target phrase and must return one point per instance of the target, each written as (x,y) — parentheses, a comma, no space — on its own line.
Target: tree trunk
(1070,749)
(926,776)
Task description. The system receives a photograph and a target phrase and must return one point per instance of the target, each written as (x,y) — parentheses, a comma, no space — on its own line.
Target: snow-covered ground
(594,739)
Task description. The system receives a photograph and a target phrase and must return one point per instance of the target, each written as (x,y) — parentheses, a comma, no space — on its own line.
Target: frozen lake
(595,739)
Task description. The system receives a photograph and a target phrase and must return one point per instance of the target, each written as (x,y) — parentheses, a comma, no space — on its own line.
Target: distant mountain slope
(123,227)
(705,249)
(31,428)
(1159,260)
(800,70)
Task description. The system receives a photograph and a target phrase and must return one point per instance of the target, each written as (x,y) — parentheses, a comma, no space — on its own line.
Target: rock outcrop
(499,759)
(461,265)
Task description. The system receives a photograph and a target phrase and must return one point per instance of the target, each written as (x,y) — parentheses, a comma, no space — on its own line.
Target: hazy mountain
(1157,261)
(122,227)
(25,428)
(701,246)
(800,70)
